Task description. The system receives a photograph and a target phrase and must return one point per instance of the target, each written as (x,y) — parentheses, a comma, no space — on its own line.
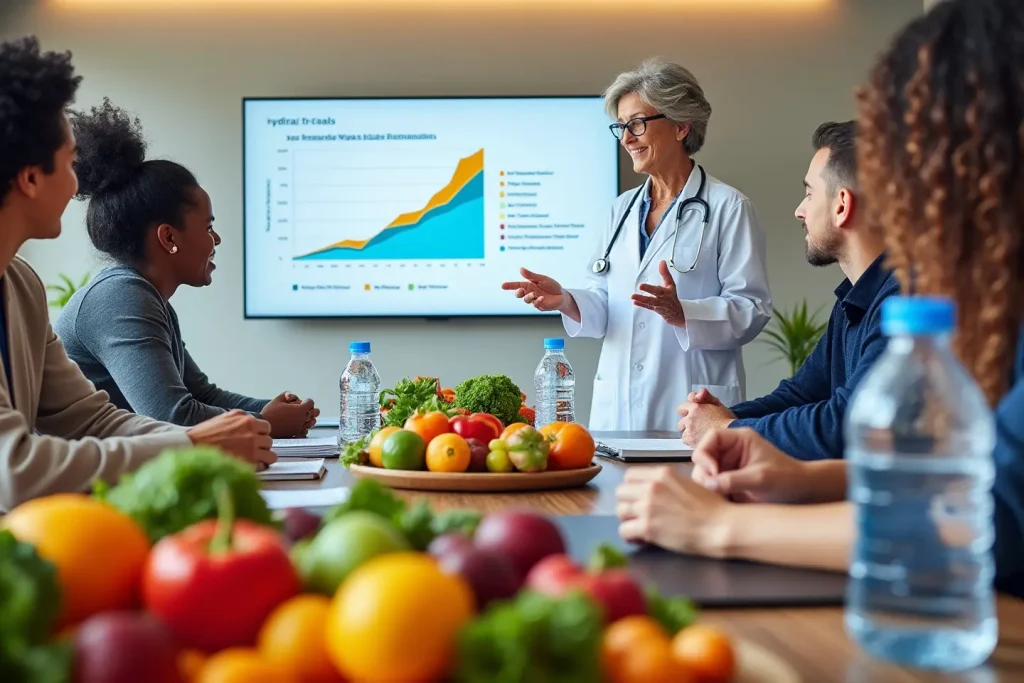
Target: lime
(342,545)
(404,450)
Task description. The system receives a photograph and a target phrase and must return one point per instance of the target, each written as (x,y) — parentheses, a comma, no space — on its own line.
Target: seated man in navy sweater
(804,415)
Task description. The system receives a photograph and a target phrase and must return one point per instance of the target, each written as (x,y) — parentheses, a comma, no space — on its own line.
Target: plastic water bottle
(919,442)
(555,385)
(359,386)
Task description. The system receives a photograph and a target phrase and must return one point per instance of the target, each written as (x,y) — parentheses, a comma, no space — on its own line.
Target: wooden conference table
(812,640)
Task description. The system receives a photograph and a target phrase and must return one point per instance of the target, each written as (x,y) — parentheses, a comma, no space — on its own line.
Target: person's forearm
(812,536)
(571,309)
(825,481)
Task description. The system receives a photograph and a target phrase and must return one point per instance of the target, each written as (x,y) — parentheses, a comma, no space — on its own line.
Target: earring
(174,248)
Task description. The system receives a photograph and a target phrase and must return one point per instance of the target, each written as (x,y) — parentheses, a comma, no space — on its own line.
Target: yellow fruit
(293,637)
(396,618)
(99,551)
(376,442)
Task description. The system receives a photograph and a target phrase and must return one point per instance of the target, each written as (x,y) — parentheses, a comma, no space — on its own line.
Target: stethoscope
(602,264)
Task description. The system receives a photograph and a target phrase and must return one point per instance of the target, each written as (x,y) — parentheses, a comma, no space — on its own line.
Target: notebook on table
(294,470)
(644,450)
(321,447)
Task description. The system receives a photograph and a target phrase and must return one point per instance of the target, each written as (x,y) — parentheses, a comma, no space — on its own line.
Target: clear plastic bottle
(919,441)
(359,388)
(555,385)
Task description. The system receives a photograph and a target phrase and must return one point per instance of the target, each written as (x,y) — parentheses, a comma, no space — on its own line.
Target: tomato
(572,446)
(428,425)
(487,417)
(99,552)
(706,651)
(375,445)
(448,453)
(396,618)
(216,582)
(293,637)
(527,450)
(243,665)
(476,426)
(512,429)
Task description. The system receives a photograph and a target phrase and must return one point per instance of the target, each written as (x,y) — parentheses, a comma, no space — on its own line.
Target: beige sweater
(60,434)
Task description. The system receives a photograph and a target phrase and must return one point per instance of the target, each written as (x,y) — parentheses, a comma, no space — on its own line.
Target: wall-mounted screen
(419,206)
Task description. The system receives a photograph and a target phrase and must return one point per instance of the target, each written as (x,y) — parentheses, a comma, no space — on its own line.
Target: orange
(428,425)
(293,637)
(99,551)
(375,443)
(572,446)
(706,651)
(448,453)
(243,665)
(651,661)
(624,635)
(396,617)
(512,429)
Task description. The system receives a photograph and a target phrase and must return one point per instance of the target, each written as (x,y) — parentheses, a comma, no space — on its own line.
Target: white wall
(771,75)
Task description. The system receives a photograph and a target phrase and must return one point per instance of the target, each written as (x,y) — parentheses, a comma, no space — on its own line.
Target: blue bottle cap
(359,347)
(554,344)
(913,315)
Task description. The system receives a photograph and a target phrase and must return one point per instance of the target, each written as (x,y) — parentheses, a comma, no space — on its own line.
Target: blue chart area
(454,230)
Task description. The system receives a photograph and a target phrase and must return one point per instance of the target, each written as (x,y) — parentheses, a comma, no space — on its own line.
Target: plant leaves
(795,335)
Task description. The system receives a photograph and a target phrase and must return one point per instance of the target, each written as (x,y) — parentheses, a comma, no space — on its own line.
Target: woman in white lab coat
(678,283)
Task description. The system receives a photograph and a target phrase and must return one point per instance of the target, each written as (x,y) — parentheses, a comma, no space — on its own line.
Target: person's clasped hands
(700,415)
(663,507)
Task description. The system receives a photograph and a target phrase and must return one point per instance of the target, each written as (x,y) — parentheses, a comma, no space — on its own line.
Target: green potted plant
(65,289)
(795,335)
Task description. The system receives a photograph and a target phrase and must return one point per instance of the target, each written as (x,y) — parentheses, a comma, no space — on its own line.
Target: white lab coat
(647,367)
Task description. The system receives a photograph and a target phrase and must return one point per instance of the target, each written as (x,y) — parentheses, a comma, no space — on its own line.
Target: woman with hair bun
(155,221)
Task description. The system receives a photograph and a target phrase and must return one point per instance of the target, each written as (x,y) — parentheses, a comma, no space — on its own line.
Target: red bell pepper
(215,583)
(605,581)
(480,426)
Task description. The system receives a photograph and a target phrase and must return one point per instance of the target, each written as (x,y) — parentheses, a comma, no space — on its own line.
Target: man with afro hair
(57,432)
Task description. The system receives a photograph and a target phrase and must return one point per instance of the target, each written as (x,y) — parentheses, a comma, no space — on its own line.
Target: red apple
(523,537)
(478,451)
(125,647)
(490,575)
(615,590)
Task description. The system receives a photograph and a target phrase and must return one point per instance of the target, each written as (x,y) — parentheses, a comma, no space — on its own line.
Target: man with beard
(804,415)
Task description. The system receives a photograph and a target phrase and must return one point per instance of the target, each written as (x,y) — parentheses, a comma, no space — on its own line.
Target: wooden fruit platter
(479,482)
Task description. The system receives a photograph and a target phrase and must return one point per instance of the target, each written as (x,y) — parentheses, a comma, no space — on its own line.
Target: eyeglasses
(637,126)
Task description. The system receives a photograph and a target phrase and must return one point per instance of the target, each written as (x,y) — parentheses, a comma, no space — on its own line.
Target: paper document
(324,447)
(287,470)
(646,444)
(304,498)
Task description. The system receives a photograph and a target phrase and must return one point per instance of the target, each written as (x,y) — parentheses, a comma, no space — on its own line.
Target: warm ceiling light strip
(284,5)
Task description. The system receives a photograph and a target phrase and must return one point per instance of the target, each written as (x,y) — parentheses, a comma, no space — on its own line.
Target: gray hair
(669,88)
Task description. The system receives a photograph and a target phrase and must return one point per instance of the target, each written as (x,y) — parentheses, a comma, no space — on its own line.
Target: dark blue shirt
(1008,488)
(804,415)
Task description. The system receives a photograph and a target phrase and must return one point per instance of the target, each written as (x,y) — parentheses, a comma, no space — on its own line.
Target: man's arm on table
(83,437)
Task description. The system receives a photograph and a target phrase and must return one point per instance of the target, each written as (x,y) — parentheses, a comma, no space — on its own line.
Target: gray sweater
(127,341)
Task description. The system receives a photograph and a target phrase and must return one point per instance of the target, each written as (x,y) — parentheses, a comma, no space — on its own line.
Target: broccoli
(494,394)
